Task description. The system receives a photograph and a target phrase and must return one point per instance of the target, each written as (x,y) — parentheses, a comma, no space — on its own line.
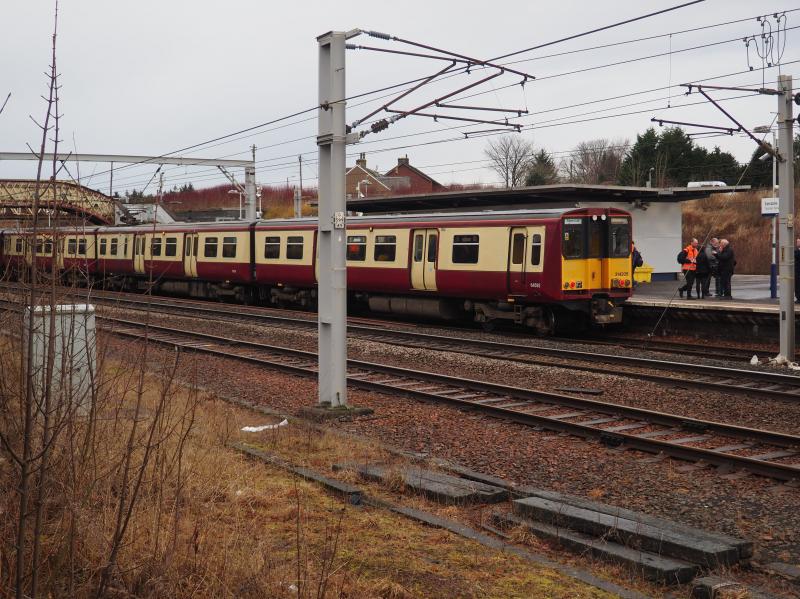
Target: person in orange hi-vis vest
(688,259)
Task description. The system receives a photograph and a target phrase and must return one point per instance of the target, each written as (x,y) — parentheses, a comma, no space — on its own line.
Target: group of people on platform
(700,264)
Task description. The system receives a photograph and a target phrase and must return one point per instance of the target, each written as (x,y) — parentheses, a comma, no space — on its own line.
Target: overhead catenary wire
(532,114)
(228,136)
(540,125)
(547,44)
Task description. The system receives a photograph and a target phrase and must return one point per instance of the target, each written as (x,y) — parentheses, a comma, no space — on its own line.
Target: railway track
(752,383)
(767,453)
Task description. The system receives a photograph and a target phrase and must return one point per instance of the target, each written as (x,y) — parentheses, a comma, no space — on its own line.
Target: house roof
(409,166)
(375,176)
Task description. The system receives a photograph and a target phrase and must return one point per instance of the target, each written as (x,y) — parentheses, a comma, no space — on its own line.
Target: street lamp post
(773,267)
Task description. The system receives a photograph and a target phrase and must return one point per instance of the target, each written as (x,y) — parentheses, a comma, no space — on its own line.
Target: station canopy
(561,195)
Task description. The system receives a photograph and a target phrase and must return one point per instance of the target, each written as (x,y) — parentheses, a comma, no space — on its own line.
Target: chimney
(403,161)
(362,161)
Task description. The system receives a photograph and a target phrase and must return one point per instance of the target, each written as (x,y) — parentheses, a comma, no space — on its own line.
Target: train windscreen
(619,237)
(572,242)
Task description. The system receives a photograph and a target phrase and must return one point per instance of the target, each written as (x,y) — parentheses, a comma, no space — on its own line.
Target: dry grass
(229,526)
(736,217)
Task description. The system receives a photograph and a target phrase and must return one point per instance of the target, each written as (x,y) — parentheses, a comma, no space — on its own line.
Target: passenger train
(536,268)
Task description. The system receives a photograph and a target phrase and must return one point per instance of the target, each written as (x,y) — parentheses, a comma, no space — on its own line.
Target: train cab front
(596,266)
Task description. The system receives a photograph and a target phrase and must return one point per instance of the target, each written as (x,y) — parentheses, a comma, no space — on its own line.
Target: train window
(171,246)
(103,245)
(572,238)
(596,230)
(619,237)
(294,247)
(228,247)
(48,246)
(518,248)
(187,246)
(419,242)
(72,246)
(155,246)
(19,245)
(210,248)
(536,250)
(432,243)
(385,248)
(113,247)
(465,249)
(194,245)
(125,249)
(356,247)
(272,248)
(82,247)
(39,246)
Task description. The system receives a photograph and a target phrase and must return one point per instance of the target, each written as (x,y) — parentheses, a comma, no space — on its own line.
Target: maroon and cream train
(529,267)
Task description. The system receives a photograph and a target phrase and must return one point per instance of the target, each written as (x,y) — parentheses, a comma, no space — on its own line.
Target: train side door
(424,248)
(517,264)
(138,253)
(191,244)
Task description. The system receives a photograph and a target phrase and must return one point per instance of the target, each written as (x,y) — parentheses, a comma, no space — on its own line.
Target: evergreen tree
(542,170)
(675,160)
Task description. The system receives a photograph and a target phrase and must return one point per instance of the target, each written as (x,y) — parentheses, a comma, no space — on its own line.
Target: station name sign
(770,206)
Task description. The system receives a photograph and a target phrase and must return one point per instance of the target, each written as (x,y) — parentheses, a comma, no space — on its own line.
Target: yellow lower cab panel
(581,274)
(617,273)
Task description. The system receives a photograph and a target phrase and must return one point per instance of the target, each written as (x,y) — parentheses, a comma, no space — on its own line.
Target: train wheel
(488,326)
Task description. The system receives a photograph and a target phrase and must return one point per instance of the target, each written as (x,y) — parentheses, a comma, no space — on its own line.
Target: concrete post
(786,217)
(250,191)
(74,367)
(332,295)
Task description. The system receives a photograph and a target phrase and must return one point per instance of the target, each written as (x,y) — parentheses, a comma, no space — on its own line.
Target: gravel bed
(735,408)
(752,507)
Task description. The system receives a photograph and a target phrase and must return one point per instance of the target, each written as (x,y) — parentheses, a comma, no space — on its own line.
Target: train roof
(489,215)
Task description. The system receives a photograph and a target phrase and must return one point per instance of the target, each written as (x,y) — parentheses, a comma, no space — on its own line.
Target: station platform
(750,295)
(750,314)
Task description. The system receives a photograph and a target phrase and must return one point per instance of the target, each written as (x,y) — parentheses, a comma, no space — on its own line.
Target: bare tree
(510,157)
(595,161)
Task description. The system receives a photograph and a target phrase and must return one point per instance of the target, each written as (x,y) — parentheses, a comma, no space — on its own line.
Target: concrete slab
(348,492)
(743,547)
(436,486)
(326,412)
(790,571)
(653,567)
(716,587)
(629,532)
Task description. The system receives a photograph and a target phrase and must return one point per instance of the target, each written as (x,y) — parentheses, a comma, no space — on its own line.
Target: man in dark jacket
(703,272)
(726,261)
(637,261)
(797,270)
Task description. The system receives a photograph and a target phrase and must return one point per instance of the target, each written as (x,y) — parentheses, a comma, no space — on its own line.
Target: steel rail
(719,378)
(480,395)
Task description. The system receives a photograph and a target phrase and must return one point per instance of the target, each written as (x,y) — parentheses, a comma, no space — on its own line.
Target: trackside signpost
(770,207)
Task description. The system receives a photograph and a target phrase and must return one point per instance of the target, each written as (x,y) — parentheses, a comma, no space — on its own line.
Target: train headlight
(627,282)
(572,284)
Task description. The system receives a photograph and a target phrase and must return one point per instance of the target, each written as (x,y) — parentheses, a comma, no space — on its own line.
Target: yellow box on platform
(643,274)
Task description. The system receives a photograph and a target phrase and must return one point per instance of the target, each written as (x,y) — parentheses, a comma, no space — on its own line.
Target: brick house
(418,182)
(361,181)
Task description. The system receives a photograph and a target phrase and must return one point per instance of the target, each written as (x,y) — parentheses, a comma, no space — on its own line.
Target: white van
(691,184)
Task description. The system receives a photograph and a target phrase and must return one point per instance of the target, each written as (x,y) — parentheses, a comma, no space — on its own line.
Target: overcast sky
(150,77)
